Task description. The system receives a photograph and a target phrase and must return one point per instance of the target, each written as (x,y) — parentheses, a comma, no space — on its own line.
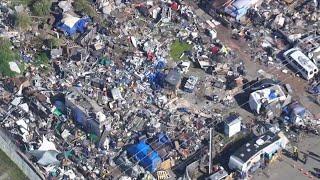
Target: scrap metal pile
(118,85)
(135,89)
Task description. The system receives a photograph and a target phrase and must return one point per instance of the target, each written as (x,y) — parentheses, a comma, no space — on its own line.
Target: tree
(41,7)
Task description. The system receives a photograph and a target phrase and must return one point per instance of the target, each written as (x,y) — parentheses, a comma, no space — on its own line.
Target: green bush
(22,20)
(52,43)
(41,7)
(178,48)
(84,6)
(6,55)
(41,59)
(23,2)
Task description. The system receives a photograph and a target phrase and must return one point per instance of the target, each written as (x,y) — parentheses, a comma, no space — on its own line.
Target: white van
(301,62)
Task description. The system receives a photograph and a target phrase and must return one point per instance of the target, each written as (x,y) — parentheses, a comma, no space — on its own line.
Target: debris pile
(125,88)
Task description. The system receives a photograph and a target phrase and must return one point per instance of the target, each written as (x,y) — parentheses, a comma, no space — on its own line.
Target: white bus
(301,62)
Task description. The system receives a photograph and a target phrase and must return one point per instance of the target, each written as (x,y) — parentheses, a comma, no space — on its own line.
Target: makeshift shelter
(239,8)
(295,112)
(70,24)
(146,157)
(173,78)
(264,99)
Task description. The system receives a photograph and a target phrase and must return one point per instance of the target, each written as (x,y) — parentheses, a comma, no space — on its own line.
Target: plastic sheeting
(156,80)
(147,158)
(160,63)
(163,139)
(60,105)
(47,145)
(273,94)
(70,24)
(49,158)
(46,154)
(239,8)
(78,116)
(14,67)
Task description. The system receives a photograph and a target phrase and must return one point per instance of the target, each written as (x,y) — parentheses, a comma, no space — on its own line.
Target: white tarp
(25,107)
(47,153)
(14,67)
(16,101)
(49,158)
(70,20)
(65,5)
(47,145)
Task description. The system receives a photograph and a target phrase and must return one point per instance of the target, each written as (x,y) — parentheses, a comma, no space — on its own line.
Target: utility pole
(210,151)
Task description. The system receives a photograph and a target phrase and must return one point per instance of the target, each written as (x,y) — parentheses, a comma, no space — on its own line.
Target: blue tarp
(294,109)
(273,94)
(183,109)
(156,80)
(160,63)
(146,157)
(60,105)
(163,139)
(239,8)
(78,116)
(79,26)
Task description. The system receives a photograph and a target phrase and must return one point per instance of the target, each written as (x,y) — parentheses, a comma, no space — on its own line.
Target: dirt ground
(298,84)
(241,48)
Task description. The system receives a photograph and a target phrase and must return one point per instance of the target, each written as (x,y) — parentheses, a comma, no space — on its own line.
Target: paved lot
(289,169)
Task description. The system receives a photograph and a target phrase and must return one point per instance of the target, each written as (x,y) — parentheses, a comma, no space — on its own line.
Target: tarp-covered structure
(71,24)
(295,112)
(144,154)
(173,78)
(239,8)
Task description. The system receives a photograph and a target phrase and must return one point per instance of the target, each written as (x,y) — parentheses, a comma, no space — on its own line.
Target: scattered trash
(120,89)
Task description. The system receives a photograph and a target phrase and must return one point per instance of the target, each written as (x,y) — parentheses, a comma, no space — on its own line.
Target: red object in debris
(175,6)
(150,56)
(215,50)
